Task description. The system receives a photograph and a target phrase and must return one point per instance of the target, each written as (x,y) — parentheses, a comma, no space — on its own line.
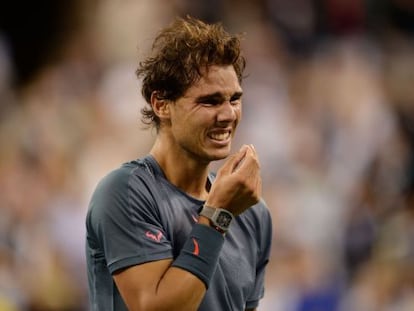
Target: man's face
(204,120)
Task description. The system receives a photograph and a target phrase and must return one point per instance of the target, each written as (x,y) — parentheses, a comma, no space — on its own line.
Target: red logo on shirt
(154,237)
(196,249)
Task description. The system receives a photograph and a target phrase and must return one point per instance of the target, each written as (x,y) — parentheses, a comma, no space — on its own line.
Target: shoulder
(118,180)
(131,182)
(129,175)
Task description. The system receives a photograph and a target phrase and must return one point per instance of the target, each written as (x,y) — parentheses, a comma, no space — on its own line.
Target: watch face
(224,219)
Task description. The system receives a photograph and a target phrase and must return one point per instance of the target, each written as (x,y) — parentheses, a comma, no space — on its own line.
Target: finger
(241,155)
(250,165)
(234,160)
(253,149)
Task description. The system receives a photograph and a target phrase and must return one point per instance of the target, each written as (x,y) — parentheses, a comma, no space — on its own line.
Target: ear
(160,106)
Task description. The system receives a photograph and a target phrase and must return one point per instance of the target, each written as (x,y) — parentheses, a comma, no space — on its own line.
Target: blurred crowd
(329,105)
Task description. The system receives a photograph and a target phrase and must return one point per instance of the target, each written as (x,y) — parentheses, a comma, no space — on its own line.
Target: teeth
(220,136)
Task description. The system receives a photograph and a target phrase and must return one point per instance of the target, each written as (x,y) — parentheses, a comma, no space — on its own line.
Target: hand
(238,184)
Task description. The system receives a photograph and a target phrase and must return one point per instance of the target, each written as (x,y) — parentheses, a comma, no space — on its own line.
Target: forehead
(217,79)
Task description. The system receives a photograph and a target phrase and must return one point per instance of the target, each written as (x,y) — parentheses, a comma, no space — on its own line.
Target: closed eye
(210,101)
(236,98)
(217,99)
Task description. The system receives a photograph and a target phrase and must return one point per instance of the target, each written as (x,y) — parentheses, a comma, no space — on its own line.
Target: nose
(227,112)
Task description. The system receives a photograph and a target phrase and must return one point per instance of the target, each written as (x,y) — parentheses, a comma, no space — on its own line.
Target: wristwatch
(220,218)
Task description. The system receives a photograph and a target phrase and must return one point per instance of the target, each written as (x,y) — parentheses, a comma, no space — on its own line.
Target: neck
(181,169)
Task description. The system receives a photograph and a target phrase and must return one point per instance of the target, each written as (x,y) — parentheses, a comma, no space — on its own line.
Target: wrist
(204,220)
(200,253)
(208,223)
(217,218)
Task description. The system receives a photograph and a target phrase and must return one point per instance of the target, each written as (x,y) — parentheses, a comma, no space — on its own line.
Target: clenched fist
(238,184)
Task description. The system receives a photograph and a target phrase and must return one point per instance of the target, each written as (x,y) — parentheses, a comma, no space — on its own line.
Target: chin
(219,155)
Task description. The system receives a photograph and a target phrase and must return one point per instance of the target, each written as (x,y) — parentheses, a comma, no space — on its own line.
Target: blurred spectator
(328,104)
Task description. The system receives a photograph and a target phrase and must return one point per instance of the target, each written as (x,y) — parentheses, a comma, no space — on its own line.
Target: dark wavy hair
(179,54)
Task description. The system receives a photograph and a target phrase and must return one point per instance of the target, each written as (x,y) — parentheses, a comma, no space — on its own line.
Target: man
(162,232)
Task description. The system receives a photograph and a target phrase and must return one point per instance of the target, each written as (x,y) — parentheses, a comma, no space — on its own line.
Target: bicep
(158,286)
(138,283)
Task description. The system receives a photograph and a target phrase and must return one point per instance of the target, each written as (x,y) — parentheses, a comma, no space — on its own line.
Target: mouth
(221,137)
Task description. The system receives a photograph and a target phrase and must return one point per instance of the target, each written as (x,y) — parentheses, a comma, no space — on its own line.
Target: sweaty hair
(178,56)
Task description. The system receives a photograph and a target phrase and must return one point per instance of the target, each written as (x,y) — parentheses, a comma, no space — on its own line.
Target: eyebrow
(217,96)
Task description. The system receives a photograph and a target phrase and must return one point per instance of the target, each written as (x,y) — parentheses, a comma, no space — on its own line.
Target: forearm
(174,285)
(185,282)
(180,290)
(176,289)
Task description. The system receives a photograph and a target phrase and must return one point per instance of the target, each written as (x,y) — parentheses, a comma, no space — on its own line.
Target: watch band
(213,214)
(207,211)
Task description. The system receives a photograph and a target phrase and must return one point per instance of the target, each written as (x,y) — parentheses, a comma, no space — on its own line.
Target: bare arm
(158,285)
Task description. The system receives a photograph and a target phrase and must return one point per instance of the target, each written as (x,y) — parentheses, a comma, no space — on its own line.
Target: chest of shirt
(238,259)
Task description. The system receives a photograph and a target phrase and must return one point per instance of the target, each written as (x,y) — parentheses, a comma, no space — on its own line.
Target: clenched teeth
(220,136)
